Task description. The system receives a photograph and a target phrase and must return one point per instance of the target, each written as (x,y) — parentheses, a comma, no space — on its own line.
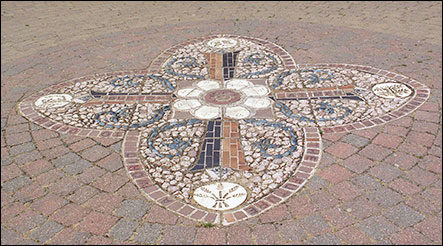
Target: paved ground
(393,189)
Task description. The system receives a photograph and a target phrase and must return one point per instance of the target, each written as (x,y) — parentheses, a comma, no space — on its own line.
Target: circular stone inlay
(53,101)
(222,43)
(220,196)
(391,90)
(222,97)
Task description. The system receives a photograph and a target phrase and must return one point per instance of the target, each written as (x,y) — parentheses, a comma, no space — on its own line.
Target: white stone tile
(237,112)
(238,84)
(207,112)
(208,85)
(186,104)
(255,91)
(220,196)
(258,102)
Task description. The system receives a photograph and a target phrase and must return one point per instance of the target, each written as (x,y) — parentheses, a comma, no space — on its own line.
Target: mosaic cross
(222,128)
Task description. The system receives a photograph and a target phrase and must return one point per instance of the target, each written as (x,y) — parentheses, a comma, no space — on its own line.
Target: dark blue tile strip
(210,153)
(229,62)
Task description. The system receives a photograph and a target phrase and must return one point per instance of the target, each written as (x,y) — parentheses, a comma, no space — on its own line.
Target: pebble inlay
(222,128)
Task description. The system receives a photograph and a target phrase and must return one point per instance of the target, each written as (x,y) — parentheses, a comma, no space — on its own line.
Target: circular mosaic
(222,97)
(222,128)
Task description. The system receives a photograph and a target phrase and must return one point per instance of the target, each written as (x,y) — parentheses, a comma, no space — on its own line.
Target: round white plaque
(53,101)
(391,90)
(220,196)
(222,43)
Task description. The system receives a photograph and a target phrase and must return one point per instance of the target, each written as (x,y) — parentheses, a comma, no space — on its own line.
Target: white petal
(188,104)
(258,90)
(208,85)
(207,112)
(261,102)
(237,112)
(238,84)
(189,92)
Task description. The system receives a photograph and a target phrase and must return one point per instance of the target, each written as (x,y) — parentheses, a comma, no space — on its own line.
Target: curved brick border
(421,94)
(306,169)
(141,178)
(288,60)
(26,107)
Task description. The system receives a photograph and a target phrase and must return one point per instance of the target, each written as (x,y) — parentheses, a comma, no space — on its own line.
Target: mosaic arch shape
(222,128)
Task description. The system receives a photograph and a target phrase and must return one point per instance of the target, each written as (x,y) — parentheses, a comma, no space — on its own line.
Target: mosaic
(222,128)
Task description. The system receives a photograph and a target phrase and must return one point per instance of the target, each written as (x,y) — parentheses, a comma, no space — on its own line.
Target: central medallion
(222,97)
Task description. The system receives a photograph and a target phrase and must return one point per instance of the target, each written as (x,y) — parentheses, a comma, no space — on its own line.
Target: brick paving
(378,185)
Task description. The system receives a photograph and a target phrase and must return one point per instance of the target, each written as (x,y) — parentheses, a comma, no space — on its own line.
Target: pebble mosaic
(222,128)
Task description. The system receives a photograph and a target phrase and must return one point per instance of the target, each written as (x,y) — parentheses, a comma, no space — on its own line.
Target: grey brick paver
(20,149)
(77,167)
(291,231)
(403,215)
(10,237)
(315,224)
(148,233)
(355,140)
(366,182)
(378,228)
(385,197)
(325,239)
(16,183)
(65,160)
(385,172)
(46,231)
(178,235)
(133,209)
(123,229)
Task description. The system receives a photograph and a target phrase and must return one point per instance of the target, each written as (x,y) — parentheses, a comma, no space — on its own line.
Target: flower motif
(236,99)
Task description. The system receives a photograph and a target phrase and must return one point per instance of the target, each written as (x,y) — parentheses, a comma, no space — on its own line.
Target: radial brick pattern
(285,114)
